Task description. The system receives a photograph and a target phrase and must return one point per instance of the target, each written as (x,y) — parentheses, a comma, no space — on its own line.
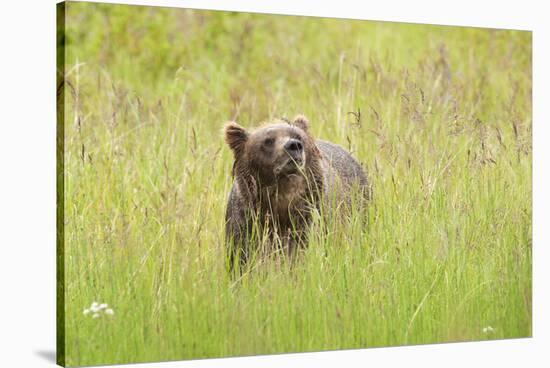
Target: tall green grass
(440,117)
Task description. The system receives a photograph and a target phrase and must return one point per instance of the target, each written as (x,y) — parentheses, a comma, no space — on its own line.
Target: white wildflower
(488,329)
(94,307)
(97,309)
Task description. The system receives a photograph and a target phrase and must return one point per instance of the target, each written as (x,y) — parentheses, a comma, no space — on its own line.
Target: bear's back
(342,163)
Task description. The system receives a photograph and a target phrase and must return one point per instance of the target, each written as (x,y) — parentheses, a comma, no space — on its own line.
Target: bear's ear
(235,136)
(301,122)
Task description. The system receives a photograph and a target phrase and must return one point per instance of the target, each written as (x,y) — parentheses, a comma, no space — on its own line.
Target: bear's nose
(293,146)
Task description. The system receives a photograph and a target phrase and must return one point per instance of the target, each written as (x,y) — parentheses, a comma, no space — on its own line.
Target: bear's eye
(269,141)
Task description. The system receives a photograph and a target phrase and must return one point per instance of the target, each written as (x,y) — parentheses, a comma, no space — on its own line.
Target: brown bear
(281,175)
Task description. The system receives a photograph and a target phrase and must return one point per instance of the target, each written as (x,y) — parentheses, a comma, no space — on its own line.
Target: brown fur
(277,185)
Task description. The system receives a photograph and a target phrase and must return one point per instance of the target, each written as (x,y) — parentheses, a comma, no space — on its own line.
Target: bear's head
(273,151)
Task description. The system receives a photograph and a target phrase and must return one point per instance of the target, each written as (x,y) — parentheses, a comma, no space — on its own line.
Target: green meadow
(439,116)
